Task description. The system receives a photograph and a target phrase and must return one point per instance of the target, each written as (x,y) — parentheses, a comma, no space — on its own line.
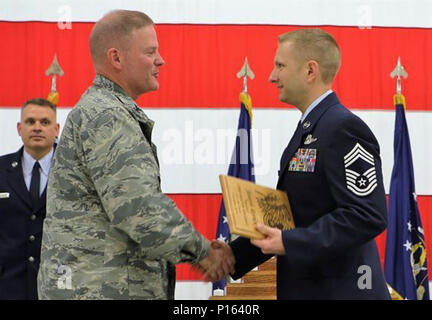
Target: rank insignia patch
(360,171)
(304,160)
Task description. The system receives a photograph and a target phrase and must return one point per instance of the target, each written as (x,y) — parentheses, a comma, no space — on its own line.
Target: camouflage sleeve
(126,177)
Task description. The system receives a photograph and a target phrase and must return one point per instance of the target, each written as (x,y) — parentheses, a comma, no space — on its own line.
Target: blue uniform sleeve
(247,256)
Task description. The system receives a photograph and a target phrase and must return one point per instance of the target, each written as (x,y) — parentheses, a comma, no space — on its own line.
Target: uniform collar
(130,104)
(314,115)
(28,162)
(314,104)
(104,82)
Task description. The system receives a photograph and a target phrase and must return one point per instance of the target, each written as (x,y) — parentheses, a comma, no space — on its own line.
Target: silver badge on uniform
(309,139)
(306,125)
(360,171)
(14,164)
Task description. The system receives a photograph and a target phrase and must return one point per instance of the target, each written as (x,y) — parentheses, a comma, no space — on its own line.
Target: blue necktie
(35,185)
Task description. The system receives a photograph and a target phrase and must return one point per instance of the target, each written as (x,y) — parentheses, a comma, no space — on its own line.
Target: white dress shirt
(45,165)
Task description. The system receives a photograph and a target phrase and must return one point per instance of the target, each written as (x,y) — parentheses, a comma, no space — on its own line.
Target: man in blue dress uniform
(331,171)
(23,180)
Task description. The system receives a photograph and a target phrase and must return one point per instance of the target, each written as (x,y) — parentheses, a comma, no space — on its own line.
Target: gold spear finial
(245,98)
(399,71)
(245,72)
(54,70)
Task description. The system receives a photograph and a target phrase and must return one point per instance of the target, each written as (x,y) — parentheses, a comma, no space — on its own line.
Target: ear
(19,128)
(57,130)
(313,71)
(113,56)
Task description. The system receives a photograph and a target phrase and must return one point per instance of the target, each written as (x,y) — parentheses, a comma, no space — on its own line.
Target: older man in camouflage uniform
(110,232)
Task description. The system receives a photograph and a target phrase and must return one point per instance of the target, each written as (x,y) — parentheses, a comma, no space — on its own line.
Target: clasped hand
(219,262)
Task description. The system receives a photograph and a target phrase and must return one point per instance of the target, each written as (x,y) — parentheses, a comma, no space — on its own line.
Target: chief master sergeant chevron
(110,232)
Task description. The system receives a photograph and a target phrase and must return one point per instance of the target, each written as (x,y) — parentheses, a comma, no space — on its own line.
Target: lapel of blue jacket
(15,178)
(303,130)
(42,202)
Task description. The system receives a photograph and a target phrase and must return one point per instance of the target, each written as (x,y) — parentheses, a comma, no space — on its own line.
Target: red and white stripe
(196,109)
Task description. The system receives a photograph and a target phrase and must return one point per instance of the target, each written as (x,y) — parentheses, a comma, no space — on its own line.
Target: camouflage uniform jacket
(110,232)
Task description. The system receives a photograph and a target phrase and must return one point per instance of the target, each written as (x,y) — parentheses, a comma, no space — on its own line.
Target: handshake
(218,263)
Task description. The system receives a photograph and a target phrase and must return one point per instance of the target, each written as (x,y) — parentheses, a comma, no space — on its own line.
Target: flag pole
(237,168)
(405,256)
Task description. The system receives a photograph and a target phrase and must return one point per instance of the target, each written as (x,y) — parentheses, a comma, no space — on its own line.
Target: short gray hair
(117,25)
(316,44)
(39,102)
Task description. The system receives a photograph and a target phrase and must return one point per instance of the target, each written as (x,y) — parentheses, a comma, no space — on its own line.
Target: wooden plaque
(247,204)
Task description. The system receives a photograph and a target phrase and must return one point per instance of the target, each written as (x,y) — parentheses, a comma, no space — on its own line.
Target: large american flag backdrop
(204,44)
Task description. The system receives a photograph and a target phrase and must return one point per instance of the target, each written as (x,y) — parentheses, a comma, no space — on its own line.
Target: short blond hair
(115,29)
(318,45)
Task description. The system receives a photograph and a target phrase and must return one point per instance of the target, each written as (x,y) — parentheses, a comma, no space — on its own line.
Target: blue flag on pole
(405,258)
(241,166)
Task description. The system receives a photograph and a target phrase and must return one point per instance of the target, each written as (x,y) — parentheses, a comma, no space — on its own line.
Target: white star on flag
(415,196)
(221,238)
(407,245)
(225,219)
(409,226)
